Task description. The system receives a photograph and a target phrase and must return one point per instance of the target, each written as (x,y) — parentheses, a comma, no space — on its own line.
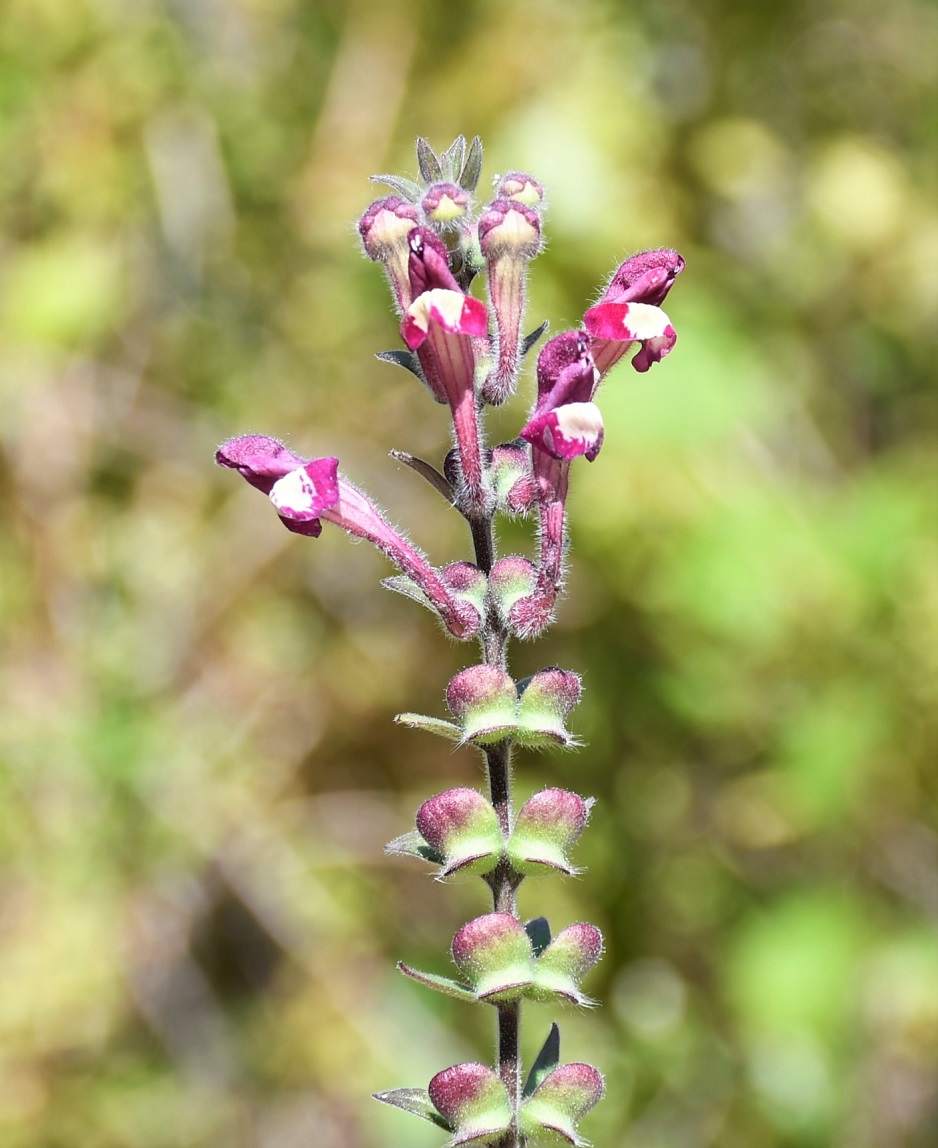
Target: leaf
(401,584)
(472,168)
(401,358)
(538,929)
(547,1060)
(415,1100)
(413,845)
(425,470)
(427,161)
(441,984)
(529,340)
(452,159)
(405,187)
(431,724)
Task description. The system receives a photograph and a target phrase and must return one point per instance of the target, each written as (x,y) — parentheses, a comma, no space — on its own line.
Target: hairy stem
(503,880)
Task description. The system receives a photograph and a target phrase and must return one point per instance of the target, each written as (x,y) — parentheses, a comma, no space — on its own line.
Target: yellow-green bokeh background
(199,768)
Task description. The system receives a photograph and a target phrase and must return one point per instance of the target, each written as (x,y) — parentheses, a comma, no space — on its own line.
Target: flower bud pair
(459,831)
(503,960)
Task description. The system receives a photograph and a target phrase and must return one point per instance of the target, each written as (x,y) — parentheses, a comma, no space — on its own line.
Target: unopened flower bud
(509,228)
(511,579)
(445,204)
(473,1101)
(384,228)
(494,954)
(561,1101)
(566,960)
(546,829)
(519,186)
(462,828)
(546,701)
(483,700)
(509,236)
(512,478)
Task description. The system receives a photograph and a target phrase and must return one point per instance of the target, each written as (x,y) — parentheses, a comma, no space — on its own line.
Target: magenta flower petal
(306,492)
(615,326)
(645,278)
(259,459)
(565,371)
(567,432)
(454,312)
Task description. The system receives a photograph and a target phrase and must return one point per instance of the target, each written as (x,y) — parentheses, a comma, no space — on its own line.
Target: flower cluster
(433,243)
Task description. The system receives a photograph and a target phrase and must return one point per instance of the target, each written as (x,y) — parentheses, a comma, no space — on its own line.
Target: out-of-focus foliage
(198,766)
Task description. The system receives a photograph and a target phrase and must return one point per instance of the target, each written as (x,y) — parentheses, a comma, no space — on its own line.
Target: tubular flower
(509,237)
(630,311)
(441,326)
(384,229)
(565,422)
(308,491)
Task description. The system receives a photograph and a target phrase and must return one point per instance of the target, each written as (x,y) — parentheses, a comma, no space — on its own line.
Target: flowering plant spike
(433,240)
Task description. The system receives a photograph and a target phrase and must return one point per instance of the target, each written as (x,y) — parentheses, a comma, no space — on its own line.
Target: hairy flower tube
(436,245)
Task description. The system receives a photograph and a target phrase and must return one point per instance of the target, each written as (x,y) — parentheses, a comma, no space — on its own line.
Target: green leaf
(529,340)
(472,168)
(402,358)
(413,845)
(405,187)
(452,159)
(416,1101)
(427,161)
(547,1060)
(431,725)
(401,584)
(442,984)
(538,929)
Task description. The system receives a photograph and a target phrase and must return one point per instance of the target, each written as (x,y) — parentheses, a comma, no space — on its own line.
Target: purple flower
(384,229)
(308,491)
(509,237)
(565,422)
(630,311)
(442,325)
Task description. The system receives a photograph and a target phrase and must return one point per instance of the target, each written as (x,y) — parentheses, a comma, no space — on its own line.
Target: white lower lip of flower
(579,422)
(296,496)
(644,321)
(444,306)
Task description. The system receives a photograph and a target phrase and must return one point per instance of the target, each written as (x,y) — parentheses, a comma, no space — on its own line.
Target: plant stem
(503,880)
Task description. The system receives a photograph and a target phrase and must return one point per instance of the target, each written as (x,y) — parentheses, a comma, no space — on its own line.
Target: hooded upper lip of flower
(630,311)
(645,278)
(301,490)
(565,422)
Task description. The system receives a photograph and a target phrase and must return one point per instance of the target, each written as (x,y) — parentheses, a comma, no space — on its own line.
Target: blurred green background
(199,768)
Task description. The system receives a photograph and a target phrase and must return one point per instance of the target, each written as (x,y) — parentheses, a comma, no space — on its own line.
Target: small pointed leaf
(442,984)
(427,161)
(451,160)
(416,1101)
(547,1060)
(431,725)
(529,340)
(401,584)
(413,845)
(402,358)
(472,168)
(404,187)
(538,930)
(425,470)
